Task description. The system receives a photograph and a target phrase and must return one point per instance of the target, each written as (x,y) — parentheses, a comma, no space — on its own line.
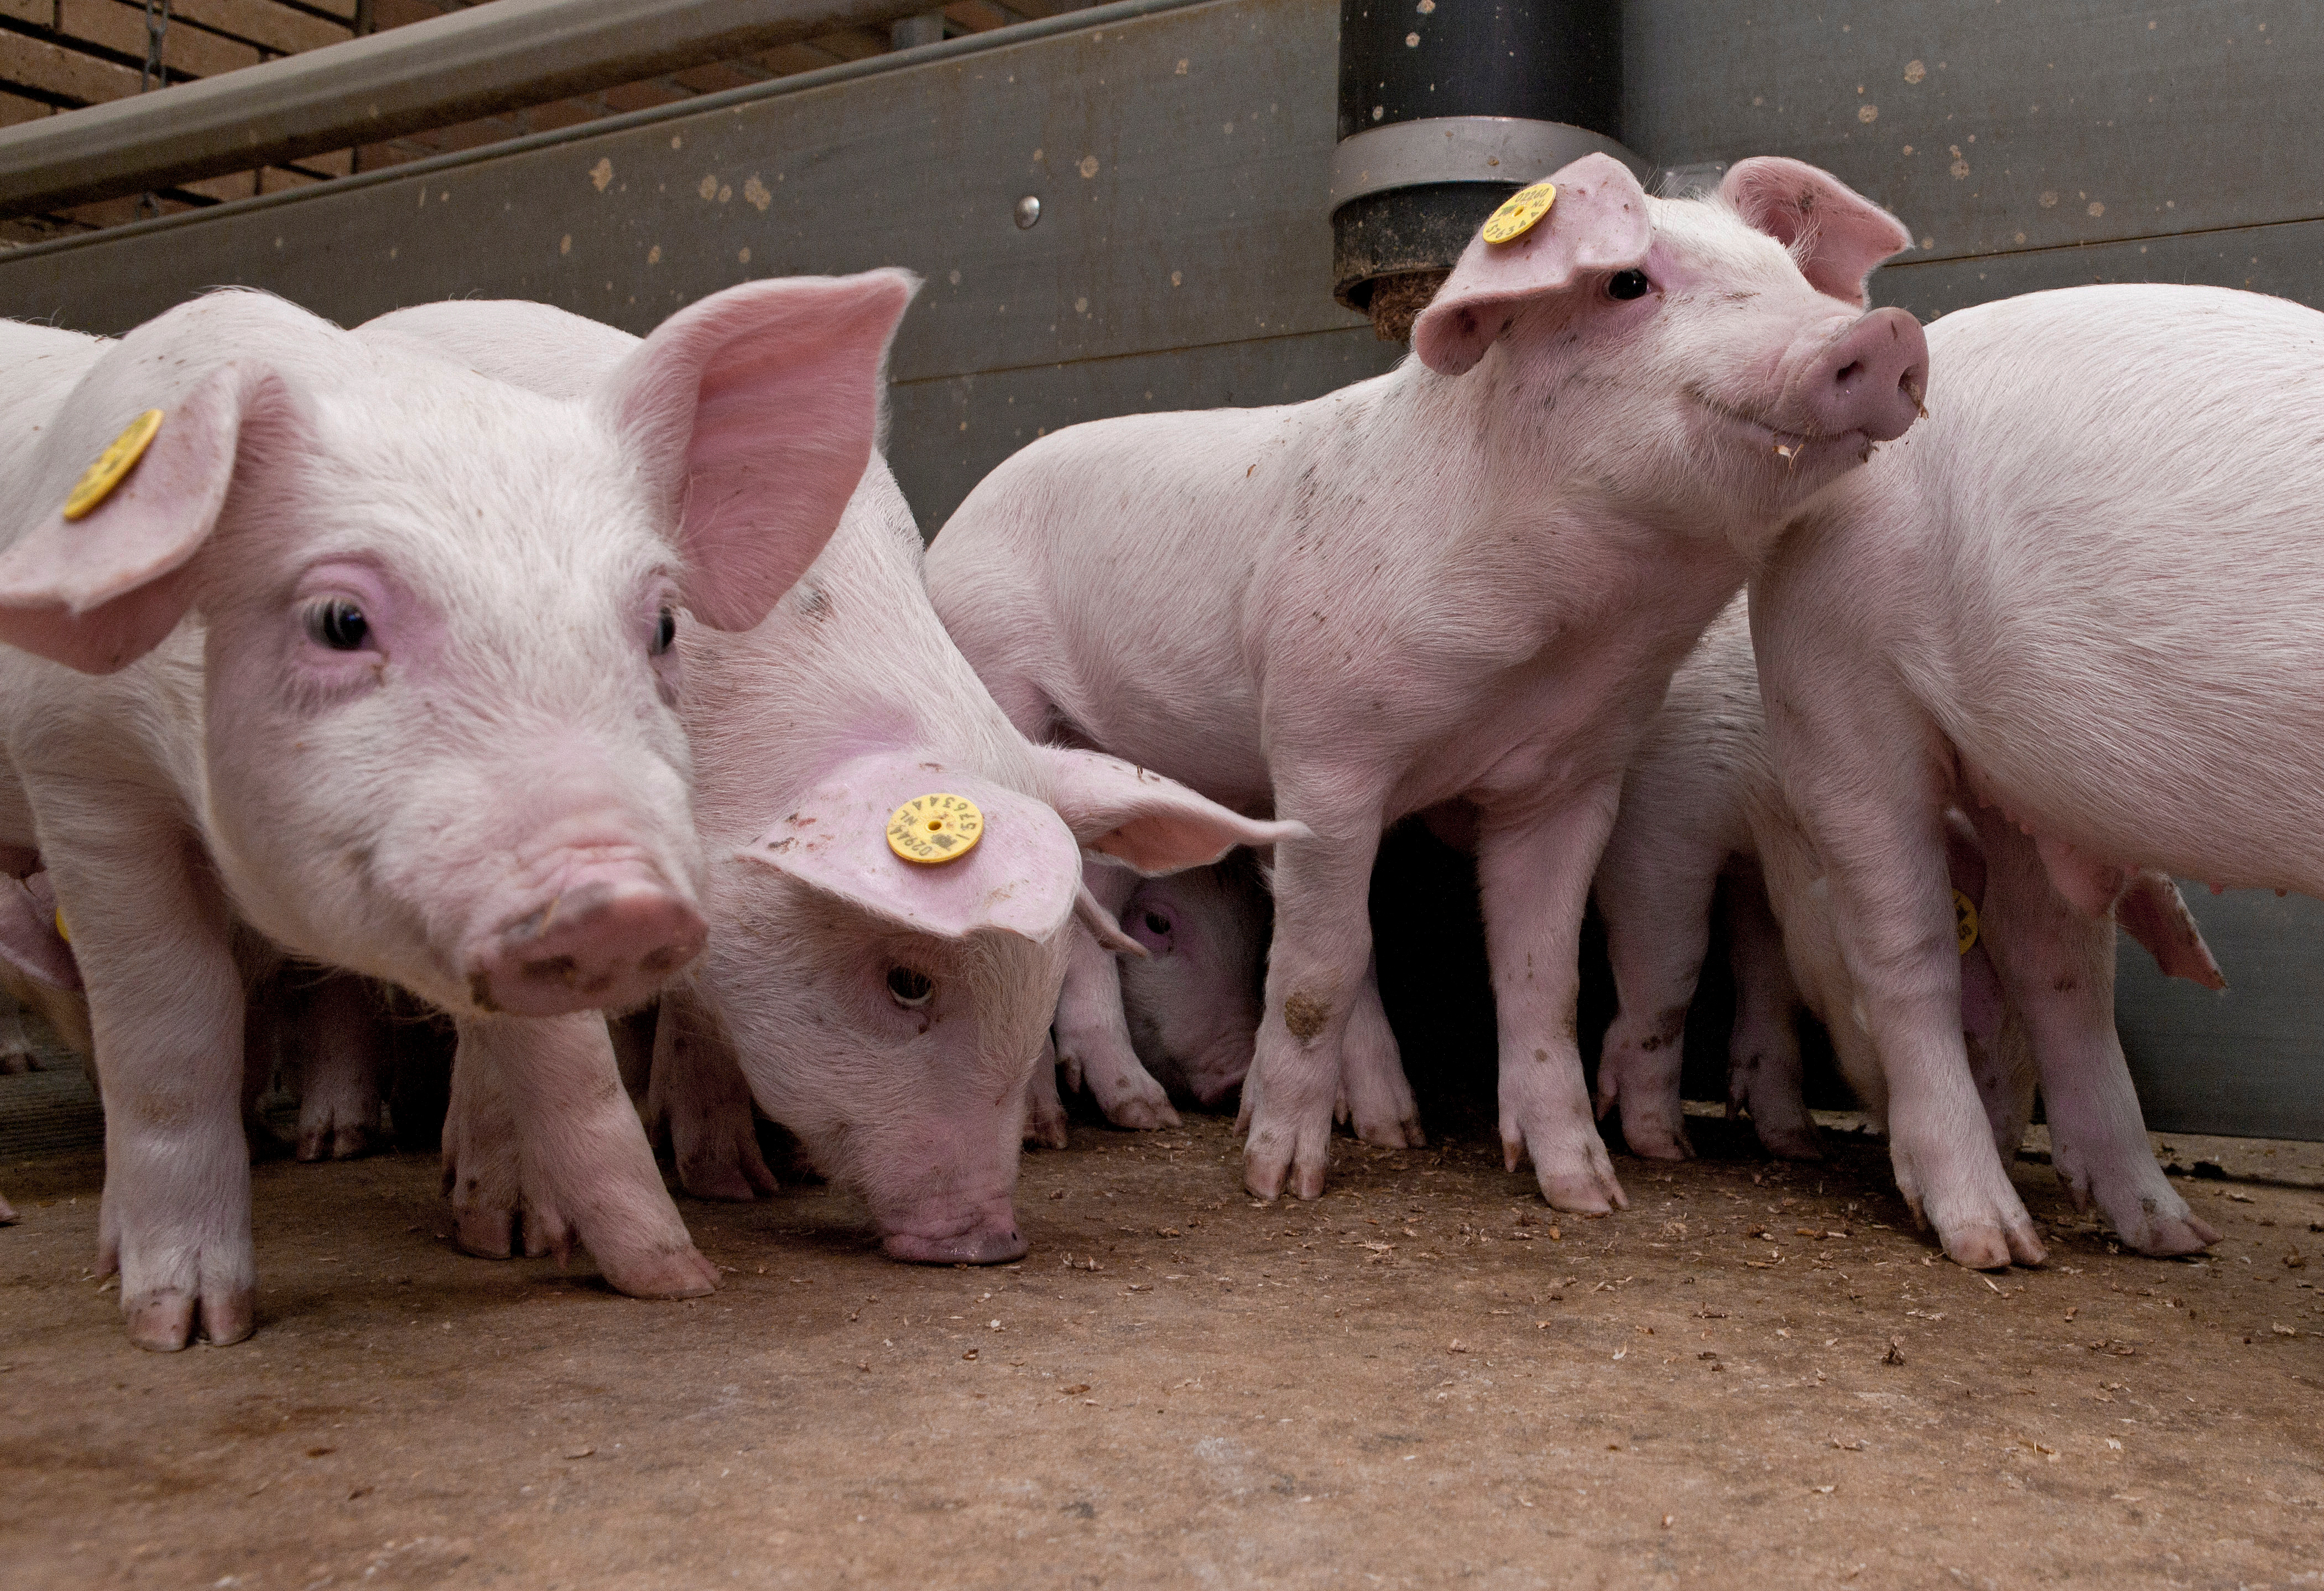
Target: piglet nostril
(1850,372)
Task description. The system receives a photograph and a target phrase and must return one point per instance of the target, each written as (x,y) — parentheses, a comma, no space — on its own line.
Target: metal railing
(489,57)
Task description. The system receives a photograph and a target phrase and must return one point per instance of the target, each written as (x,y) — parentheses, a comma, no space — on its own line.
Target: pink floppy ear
(100,592)
(1135,816)
(758,409)
(2155,914)
(29,941)
(1836,235)
(1598,226)
(1021,878)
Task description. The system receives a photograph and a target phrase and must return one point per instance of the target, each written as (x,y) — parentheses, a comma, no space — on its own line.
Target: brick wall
(56,55)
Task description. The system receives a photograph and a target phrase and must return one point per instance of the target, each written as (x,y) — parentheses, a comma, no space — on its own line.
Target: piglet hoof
(342,1141)
(1789,1142)
(1141,1114)
(682,1273)
(1381,1110)
(725,1165)
(1126,1091)
(1651,1138)
(1045,1112)
(7,1214)
(1297,1156)
(1981,1247)
(996,1245)
(168,1319)
(486,1234)
(2156,1229)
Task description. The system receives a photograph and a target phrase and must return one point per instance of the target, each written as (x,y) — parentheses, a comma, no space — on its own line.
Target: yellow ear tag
(63,932)
(1964,921)
(120,457)
(1525,207)
(932,828)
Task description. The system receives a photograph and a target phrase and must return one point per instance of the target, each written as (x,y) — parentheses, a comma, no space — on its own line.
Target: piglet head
(889,1012)
(1192,1000)
(1700,362)
(439,608)
(896,1006)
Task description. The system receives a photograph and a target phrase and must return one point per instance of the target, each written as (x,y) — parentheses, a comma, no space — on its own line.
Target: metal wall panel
(1997,125)
(1180,157)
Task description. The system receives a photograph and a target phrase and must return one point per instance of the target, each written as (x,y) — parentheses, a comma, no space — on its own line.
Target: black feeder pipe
(1446,108)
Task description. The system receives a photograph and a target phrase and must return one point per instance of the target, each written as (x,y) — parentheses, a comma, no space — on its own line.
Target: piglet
(1703,806)
(1464,583)
(888,1011)
(369,656)
(2082,603)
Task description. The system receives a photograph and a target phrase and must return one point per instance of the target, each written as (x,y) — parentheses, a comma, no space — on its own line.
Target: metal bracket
(1464,149)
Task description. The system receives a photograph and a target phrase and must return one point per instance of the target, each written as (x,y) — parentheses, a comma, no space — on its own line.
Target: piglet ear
(1836,234)
(1135,816)
(2155,914)
(100,592)
(758,409)
(29,941)
(1597,226)
(1020,877)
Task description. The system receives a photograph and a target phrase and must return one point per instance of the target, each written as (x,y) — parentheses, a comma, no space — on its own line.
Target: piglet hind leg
(1092,1035)
(584,1170)
(698,1096)
(166,1006)
(342,1040)
(1379,1100)
(1534,875)
(2057,968)
(1045,1111)
(1316,968)
(1655,903)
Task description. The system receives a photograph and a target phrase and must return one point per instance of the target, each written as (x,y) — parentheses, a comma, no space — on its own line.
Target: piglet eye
(665,632)
(340,625)
(910,989)
(1627,285)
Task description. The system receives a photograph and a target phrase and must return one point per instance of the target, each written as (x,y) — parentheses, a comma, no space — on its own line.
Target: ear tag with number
(932,828)
(120,457)
(1524,210)
(1964,921)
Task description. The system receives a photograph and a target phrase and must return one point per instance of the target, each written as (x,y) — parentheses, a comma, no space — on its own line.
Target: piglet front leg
(580,1168)
(166,1009)
(1092,1035)
(1532,872)
(698,1096)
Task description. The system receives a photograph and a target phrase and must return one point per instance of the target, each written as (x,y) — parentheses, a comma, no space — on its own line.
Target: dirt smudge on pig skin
(1306,1016)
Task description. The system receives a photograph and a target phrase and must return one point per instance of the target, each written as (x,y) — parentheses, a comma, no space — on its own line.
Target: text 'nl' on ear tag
(932,828)
(1964,921)
(1521,214)
(120,457)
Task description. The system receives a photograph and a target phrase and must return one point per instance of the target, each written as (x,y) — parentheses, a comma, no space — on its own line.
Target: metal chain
(157,28)
(156,75)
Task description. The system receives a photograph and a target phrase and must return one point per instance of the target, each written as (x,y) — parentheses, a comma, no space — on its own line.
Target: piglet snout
(609,934)
(986,1235)
(1870,378)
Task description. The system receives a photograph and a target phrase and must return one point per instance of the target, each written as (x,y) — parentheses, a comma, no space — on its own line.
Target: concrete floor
(1425,1378)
